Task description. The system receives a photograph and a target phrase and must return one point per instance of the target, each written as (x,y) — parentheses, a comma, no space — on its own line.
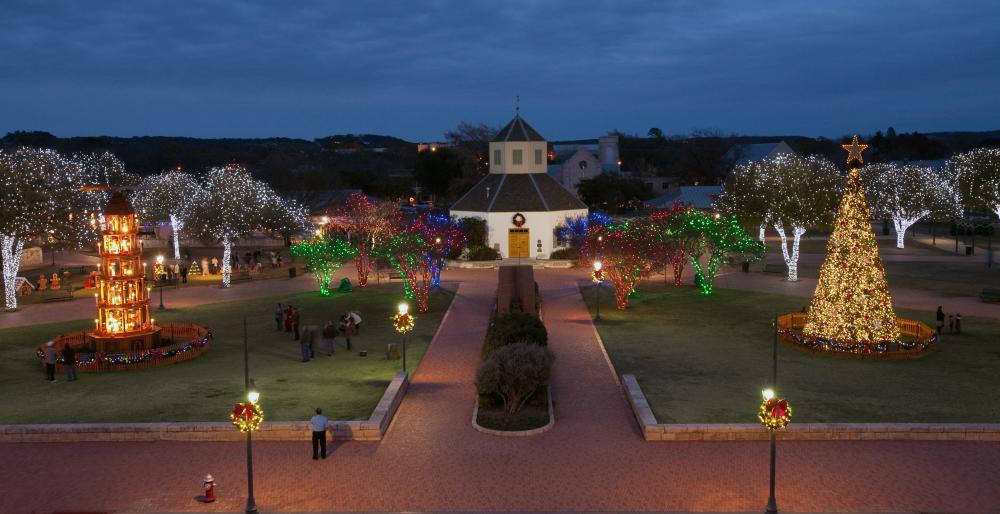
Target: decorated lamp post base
(597,277)
(402,321)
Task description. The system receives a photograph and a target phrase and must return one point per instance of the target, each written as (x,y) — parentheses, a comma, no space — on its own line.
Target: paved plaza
(593,459)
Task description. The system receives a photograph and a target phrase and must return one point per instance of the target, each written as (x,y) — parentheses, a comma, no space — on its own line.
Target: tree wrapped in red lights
(672,250)
(370,225)
(442,237)
(627,251)
(406,252)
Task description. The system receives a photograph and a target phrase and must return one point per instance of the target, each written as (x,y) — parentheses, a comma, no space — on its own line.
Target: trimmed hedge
(572,254)
(483,253)
(511,328)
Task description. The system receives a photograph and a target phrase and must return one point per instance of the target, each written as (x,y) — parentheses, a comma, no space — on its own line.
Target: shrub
(514,373)
(483,253)
(514,327)
(572,254)
(474,230)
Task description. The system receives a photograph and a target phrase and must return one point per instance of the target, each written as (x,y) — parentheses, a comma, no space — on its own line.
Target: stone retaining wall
(371,429)
(653,431)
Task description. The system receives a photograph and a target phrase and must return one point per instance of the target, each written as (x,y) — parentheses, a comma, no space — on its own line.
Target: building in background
(584,159)
(521,203)
(742,154)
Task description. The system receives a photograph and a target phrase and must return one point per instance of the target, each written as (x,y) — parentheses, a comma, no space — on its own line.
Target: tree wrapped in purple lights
(442,237)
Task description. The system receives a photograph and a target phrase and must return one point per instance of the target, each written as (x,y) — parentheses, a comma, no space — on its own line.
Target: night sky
(416,69)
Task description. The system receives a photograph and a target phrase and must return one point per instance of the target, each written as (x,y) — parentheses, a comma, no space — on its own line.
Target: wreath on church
(518,220)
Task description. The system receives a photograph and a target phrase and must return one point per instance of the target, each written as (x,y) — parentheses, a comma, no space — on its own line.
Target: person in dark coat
(940,320)
(329,336)
(288,318)
(49,356)
(958,323)
(69,362)
(295,323)
(279,317)
(304,346)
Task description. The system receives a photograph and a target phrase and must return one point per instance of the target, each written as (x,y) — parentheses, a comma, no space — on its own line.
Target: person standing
(49,357)
(69,362)
(295,324)
(329,335)
(319,425)
(288,318)
(279,315)
(184,274)
(958,323)
(304,348)
(951,324)
(940,320)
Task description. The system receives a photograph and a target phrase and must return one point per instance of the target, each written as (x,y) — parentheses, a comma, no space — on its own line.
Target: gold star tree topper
(854,150)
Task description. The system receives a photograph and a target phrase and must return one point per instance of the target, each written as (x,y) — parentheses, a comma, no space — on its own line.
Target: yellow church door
(519,242)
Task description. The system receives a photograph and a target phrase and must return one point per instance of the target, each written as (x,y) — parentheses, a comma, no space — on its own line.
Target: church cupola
(518,148)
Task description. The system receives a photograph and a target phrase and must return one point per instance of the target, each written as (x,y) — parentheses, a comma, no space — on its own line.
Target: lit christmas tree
(852,302)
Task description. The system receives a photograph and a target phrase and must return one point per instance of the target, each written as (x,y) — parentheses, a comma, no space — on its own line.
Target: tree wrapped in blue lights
(406,252)
(442,237)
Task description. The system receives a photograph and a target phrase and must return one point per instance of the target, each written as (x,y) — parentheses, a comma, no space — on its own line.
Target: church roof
(517,130)
(518,192)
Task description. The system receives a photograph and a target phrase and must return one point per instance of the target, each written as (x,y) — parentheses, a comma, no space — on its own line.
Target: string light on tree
(324,257)
(907,193)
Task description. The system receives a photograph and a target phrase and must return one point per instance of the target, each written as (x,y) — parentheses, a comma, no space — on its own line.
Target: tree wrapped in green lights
(324,257)
(712,238)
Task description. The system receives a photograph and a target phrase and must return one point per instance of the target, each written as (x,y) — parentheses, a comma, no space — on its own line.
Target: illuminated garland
(247,416)
(857,347)
(775,414)
(324,257)
(403,322)
(154,355)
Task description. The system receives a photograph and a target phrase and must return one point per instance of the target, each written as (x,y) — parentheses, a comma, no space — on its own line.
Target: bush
(572,254)
(514,373)
(483,253)
(514,327)
(474,230)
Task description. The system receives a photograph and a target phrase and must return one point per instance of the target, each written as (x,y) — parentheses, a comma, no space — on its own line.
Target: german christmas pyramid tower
(852,301)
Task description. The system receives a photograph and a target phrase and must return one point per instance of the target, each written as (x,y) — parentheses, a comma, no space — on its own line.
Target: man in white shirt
(319,424)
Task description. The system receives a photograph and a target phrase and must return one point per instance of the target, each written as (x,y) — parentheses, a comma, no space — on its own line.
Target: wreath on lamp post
(247,416)
(518,220)
(775,413)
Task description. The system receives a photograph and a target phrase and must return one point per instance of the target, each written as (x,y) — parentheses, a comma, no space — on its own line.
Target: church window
(516,157)
(538,156)
(496,157)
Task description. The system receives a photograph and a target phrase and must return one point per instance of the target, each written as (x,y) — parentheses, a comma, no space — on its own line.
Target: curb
(372,429)
(516,433)
(653,431)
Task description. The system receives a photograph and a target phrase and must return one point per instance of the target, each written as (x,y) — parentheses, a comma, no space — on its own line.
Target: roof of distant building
(699,197)
(517,130)
(743,154)
(515,192)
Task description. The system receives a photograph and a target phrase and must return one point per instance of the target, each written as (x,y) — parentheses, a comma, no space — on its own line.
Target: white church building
(521,203)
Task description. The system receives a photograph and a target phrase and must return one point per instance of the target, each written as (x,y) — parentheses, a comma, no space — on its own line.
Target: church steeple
(518,148)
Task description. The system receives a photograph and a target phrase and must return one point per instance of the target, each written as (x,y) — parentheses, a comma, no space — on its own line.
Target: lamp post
(403,323)
(252,396)
(158,282)
(774,414)
(598,278)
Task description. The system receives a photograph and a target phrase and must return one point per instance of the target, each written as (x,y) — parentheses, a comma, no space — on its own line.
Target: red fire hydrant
(209,489)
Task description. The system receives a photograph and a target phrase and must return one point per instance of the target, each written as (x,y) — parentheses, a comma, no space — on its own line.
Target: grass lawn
(346,386)
(704,359)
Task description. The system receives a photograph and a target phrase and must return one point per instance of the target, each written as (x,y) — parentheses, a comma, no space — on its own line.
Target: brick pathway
(432,460)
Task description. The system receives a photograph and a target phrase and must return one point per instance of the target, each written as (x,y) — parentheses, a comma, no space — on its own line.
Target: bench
(395,275)
(62,297)
(990,295)
(774,268)
(240,276)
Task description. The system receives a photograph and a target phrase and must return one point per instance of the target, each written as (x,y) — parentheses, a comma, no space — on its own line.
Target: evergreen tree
(852,301)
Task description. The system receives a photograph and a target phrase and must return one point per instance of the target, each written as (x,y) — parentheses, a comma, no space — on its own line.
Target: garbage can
(968,250)
(291,272)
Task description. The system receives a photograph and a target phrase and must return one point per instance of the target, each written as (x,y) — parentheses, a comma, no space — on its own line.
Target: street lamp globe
(598,265)
(403,308)
(159,259)
(768,393)
(253,395)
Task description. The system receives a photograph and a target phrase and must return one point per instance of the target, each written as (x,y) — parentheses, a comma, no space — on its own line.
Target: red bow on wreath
(777,408)
(245,411)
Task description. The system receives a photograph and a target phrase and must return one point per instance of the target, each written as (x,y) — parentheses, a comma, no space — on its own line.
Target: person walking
(304,349)
(319,424)
(958,323)
(940,320)
(69,362)
(49,357)
(279,317)
(329,336)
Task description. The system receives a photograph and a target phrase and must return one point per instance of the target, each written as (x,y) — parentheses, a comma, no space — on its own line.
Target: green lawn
(705,359)
(346,386)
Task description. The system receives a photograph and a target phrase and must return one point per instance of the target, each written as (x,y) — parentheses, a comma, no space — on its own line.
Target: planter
(542,428)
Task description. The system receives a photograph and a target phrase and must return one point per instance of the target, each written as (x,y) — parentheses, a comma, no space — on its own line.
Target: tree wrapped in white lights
(977,173)
(906,193)
(40,199)
(171,195)
(233,207)
(786,191)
